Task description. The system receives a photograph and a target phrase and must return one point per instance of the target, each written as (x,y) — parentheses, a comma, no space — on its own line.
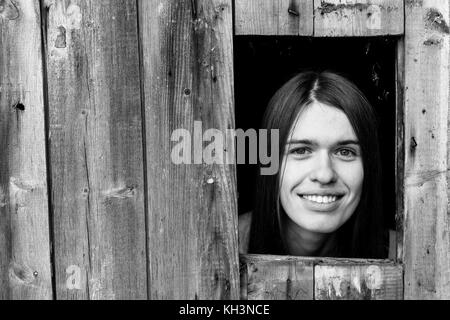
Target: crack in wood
(420,178)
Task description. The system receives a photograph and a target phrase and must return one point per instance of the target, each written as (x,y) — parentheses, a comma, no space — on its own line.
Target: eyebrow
(315,143)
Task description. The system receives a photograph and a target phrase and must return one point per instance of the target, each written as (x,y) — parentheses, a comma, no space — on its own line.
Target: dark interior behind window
(263,63)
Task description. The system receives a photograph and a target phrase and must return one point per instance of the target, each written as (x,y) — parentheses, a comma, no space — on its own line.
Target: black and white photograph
(217,150)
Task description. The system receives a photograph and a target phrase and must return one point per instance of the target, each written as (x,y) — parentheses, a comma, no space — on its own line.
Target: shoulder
(245,221)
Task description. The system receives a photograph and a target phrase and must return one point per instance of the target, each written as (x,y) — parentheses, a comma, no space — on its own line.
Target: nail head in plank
(278,17)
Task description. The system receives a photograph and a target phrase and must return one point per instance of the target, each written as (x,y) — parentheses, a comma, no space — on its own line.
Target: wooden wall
(91,206)
(89,98)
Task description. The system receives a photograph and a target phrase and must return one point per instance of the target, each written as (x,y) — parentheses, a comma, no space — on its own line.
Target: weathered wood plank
(393,243)
(257,258)
(295,17)
(426,252)
(277,17)
(25,270)
(400,149)
(278,279)
(243,281)
(358,282)
(256,17)
(290,277)
(96,149)
(338,18)
(188,76)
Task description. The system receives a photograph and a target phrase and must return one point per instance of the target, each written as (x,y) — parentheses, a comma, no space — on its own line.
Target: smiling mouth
(325,199)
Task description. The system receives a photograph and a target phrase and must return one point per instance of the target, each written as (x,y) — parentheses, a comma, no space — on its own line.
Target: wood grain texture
(358,282)
(25,270)
(400,149)
(243,280)
(338,18)
(96,149)
(257,258)
(426,252)
(188,76)
(278,279)
(291,277)
(274,17)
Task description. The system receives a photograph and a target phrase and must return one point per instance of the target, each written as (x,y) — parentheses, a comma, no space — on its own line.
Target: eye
(346,153)
(300,151)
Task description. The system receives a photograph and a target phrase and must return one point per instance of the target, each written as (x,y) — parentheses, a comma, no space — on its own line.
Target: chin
(325,229)
(320,226)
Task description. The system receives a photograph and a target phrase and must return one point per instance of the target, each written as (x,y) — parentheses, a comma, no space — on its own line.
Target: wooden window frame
(403,275)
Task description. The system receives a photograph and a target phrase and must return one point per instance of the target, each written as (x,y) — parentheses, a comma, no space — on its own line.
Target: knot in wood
(8,10)
(413,144)
(19,106)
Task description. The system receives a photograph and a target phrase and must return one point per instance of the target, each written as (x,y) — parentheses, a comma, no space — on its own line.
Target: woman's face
(322,170)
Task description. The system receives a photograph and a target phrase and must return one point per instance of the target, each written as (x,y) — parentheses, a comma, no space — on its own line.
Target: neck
(301,242)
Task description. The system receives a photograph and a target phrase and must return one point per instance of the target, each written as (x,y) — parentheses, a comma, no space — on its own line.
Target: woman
(325,200)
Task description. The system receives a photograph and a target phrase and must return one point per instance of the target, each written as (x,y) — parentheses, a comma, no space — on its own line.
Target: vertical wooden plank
(96,149)
(188,76)
(279,279)
(426,252)
(25,270)
(393,245)
(339,18)
(278,17)
(400,149)
(358,282)
(243,279)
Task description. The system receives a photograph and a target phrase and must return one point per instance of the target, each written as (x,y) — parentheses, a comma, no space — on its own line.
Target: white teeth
(320,199)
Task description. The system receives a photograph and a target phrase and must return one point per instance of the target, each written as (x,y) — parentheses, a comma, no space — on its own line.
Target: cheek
(291,175)
(353,176)
(288,180)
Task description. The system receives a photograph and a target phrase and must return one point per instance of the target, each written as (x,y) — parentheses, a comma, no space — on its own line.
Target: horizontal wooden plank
(290,277)
(256,258)
(338,18)
(277,17)
(358,282)
(278,280)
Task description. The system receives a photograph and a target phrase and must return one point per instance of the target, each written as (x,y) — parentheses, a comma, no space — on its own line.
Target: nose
(323,171)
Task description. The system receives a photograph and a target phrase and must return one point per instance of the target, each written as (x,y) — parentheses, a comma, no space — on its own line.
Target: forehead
(322,123)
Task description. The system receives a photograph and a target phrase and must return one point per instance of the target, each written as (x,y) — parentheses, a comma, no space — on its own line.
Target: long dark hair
(361,236)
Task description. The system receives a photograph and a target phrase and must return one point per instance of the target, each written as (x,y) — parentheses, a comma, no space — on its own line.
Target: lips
(321,202)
